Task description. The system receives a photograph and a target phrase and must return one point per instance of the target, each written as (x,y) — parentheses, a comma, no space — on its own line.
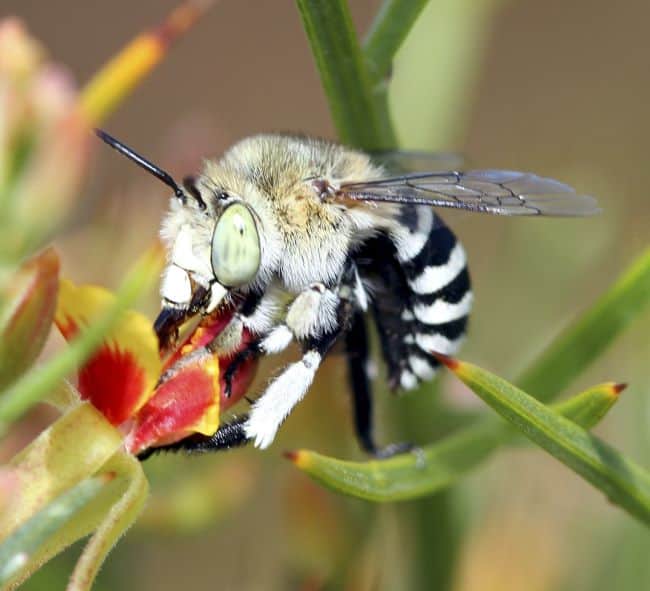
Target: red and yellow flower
(153,401)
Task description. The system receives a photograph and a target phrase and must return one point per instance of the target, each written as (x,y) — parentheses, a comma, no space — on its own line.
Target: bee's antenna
(150,167)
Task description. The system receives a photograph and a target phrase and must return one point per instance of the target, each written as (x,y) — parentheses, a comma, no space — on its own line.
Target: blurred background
(558,87)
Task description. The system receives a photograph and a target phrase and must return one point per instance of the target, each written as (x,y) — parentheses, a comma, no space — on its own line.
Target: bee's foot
(391,450)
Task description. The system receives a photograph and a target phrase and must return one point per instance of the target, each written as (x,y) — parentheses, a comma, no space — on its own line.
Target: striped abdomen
(422,293)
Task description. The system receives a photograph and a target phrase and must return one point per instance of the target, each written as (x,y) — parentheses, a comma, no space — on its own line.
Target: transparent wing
(499,192)
(405,161)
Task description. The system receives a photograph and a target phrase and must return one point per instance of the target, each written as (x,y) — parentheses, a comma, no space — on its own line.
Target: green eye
(235,247)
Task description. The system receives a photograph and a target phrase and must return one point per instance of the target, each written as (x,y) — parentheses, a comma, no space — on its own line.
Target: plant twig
(134,491)
(344,75)
(392,24)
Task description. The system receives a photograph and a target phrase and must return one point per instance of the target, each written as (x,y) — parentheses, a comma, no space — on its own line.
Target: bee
(307,241)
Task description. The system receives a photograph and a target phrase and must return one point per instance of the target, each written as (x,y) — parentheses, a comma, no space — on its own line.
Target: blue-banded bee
(307,240)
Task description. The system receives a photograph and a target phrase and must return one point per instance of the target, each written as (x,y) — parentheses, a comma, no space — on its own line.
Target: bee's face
(211,251)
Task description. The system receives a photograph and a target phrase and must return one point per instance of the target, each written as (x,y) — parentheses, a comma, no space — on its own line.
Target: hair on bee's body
(302,237)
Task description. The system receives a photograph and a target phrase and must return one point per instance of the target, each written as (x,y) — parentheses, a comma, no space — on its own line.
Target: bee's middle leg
(316,318)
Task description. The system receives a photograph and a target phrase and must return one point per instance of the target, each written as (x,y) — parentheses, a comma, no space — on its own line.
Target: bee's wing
(499,192)
(415,161)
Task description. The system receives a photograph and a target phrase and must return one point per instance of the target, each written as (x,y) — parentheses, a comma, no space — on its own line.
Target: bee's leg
(274,405)
(227,436)
(275,341)
(356,342)
(269,411)
(317,327)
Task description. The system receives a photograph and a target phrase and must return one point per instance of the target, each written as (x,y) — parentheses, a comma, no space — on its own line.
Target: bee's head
(212,250)
(210,254)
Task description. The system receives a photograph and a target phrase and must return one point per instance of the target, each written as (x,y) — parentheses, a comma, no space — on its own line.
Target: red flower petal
(114,381)
(204,333)
(186,403)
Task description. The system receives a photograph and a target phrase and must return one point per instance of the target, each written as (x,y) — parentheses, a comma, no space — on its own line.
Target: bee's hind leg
(356,342)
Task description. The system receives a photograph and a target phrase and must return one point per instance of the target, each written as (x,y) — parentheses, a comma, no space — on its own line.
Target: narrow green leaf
(17,551)
(387,33)
(622,481)
(429,469)
(590,407)
(40,381)
(343,72)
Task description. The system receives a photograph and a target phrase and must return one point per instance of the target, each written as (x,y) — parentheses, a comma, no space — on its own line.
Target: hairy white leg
(277,340)
(273,407)
(313,314)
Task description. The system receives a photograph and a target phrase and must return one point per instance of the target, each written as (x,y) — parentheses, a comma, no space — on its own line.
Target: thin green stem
(118,519)
(388,31)
(358,100)
(392,24)
(344,75)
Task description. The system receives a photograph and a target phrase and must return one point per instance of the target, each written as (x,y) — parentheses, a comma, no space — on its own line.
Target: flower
(152,401)
(79,475)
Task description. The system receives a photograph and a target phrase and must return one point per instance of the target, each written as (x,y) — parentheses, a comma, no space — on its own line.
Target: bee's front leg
(227,436)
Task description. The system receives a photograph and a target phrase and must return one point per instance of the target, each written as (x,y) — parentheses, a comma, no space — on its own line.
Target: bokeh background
(558,87)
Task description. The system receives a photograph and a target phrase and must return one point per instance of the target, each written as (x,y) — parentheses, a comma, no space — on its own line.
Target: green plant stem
(392,24)
(387,33)
(121,515)
(438,533)
(345,78)
(358,102)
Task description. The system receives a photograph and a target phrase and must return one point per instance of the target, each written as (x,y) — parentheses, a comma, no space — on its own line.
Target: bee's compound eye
(235,246)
